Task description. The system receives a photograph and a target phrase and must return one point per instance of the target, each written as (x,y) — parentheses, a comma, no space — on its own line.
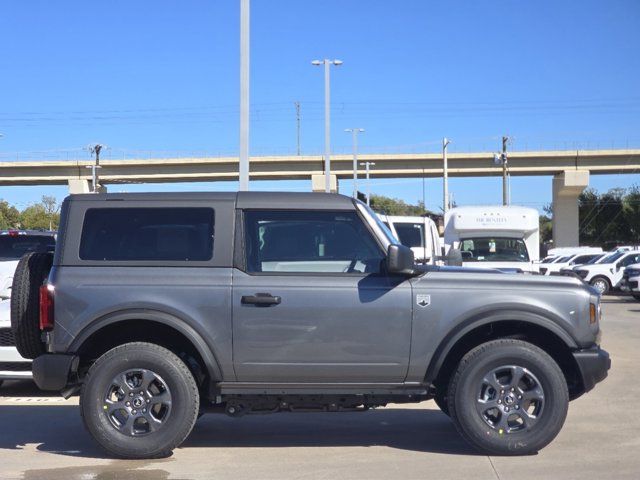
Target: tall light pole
(354,133)
(367,166)
(327,117)
(502,159)
(445,176)
(243,171)
(95,150)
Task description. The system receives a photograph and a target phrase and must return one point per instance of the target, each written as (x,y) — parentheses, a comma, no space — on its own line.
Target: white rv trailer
(418,233)
(503,237)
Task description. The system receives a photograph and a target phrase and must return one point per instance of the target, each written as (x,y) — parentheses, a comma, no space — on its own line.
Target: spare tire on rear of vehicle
(31,272)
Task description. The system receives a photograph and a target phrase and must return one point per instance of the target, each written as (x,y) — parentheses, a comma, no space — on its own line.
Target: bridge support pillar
(79,185)
(567,186)
(318,183)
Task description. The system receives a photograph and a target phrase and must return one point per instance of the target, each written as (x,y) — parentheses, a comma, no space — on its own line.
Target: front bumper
(594,364)
(52,371)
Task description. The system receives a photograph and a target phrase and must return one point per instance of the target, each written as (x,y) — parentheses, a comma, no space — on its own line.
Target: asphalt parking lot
(43,437)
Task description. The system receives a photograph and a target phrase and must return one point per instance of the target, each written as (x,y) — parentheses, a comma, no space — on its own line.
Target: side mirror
(454,257)
(400,260)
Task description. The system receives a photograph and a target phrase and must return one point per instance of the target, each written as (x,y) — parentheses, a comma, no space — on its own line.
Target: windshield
(494,249)
(563,259)
(549,260)
(612,258)
(410,234)
(595,259)
(13,248)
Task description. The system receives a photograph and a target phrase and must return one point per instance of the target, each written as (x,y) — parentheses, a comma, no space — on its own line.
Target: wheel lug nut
(519,397)
(134,411)
(128,404)
(148,401)
(513,389)
(131,394)
(506,409)
(499,401)
(501,392)
(144,410)
(517,407)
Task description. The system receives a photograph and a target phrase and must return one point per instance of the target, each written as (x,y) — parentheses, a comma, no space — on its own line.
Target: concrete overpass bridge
(570,170)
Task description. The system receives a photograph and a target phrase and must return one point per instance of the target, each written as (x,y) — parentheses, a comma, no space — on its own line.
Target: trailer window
(494,249)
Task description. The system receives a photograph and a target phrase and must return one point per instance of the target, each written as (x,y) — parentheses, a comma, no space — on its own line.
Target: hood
(461,277)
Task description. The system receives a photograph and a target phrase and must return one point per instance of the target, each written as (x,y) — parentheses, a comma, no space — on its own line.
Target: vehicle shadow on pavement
(415,429)
(58,429)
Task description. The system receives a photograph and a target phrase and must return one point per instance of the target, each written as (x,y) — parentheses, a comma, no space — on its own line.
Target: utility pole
(297,104)
(367,166)
(243,171)
(95,150)
(327,117)
(445,176)
(505,172)
(354,133)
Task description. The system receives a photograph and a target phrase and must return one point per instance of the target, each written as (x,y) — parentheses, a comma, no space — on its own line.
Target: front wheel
(508,397)
(601,284)
(139,400)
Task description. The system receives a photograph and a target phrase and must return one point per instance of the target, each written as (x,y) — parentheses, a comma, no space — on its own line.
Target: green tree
(631,212)
(44,215)
(395,206)
(9,216)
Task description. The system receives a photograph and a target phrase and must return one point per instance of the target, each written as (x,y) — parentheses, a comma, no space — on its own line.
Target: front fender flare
(479,320)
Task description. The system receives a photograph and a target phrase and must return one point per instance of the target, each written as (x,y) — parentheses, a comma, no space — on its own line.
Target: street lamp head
(361,129)
(316,63)
(337,62)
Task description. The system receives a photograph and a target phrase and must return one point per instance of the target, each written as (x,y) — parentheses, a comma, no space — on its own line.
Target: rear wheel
(139,400)
(508,397)
(601,284)
(31,272)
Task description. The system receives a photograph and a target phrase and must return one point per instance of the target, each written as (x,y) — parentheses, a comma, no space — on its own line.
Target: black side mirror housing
(400,260)
(454,257)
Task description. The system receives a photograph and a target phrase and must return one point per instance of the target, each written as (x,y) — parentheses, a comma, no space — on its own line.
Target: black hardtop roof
(289,200)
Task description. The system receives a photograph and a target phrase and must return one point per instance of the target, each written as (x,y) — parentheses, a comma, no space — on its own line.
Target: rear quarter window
(148,234)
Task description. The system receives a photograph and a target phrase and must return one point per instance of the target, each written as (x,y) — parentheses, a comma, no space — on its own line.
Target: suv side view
(157,308)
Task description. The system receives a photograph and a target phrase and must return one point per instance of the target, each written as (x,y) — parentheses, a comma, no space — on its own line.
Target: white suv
(12,365)
(608,274)
(631,280)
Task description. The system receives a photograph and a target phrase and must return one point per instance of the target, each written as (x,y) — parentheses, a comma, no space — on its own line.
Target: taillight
(46,308)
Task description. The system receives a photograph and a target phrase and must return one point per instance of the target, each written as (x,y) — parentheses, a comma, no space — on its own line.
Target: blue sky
(161,78)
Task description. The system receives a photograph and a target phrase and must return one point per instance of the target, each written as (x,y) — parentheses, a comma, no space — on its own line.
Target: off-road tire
(185,401)
(31,272)
(463,395)
(605,282)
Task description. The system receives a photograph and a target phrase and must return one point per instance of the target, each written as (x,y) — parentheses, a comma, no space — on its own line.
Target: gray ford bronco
(157,308)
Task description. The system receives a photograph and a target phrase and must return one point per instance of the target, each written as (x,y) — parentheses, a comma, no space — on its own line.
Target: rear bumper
(594,364)
(52,371)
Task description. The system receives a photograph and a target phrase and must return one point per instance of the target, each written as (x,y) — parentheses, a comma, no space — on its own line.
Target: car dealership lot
(43,437)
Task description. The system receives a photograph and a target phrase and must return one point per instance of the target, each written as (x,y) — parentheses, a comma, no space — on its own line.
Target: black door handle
(261,300)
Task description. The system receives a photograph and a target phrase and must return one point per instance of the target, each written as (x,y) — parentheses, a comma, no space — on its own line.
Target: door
(312,302)
(623,263)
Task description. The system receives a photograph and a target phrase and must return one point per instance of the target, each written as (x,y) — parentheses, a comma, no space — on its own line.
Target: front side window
(147,234)
(494,249)
(410,234)
(309,242)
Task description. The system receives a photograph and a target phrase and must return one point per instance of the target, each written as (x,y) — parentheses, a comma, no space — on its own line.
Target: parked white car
(12,365)
(567,261)
(608,274)
(631,280)
(13,245)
